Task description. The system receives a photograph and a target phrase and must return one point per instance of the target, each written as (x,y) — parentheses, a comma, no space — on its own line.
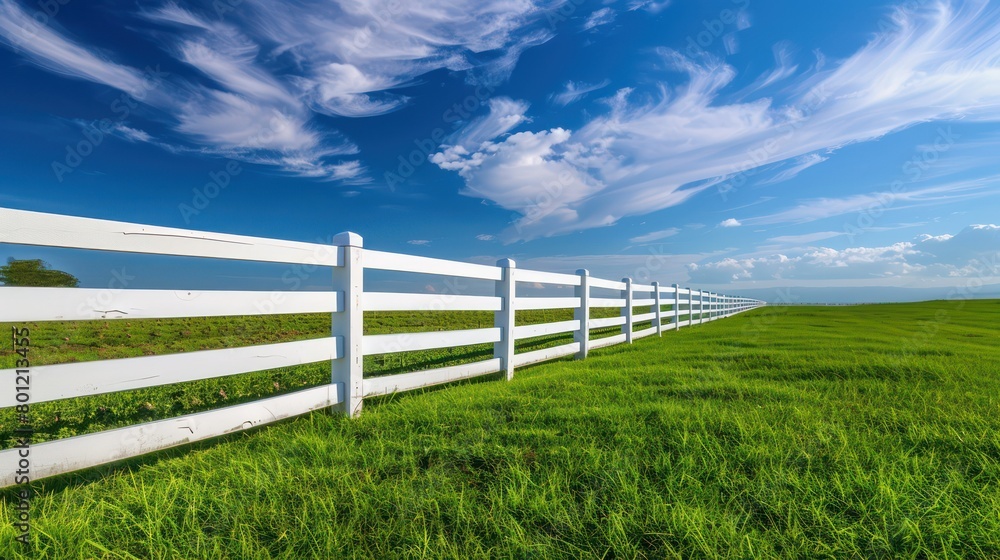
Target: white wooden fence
(346,301)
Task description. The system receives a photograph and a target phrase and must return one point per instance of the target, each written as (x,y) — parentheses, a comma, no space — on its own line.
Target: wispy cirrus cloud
(598,18)
(266,69)
(821,208)
(798,165)
(938,63)
(505,114)
(51,50)
(655,235)
(805,238)
(575,91)
(784,68)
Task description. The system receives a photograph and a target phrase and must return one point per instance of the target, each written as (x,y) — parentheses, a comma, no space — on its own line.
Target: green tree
(35,273)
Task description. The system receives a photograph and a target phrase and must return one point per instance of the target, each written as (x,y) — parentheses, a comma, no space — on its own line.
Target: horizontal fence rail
(642,310)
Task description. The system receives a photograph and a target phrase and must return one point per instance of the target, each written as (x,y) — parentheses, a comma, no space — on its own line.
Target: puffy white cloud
(731,222)
(973,252)
(532,173)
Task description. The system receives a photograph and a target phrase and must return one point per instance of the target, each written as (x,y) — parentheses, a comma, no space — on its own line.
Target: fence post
(349,322)
(677,307)
(690,308)
(504,319)
(627,310)
(659,312)
(582,314)
(701,307)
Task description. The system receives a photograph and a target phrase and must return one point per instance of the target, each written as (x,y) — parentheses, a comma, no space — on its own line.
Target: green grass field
(785,432)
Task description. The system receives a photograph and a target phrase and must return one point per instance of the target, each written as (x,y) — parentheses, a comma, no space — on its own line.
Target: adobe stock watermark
(47,11)
(762,154)
(544,201)
(380,19)
(887,24)
(293,278)
(912,171)
(562,12)
(203,196)
(986,268)
(104,301)
(221,179)
(95,133)
(760,323)
(713,29)
(223,7)
(426,147)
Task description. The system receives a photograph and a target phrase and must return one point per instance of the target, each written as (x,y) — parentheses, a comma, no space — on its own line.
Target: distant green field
(785,432)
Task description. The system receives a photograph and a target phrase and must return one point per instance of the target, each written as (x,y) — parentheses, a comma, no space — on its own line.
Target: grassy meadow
(785,432)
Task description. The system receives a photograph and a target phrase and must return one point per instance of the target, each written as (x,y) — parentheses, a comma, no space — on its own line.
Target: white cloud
(267,67)
(655,235)
(600,17)
(343,90)
(784,68)
(972,253)
(879,202)
(642,267)
(61,55)
(731,222)
(574,91)
(525,167)
(651,6)
(132,134)
(937,63)
(799,165)
(805,238)
(419,242)
(389,43)
(505,115)
(485,237)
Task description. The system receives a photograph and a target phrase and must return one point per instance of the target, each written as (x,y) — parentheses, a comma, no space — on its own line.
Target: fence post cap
(675,286)
(627,280)
(507,263)
(348,239)
(583,272)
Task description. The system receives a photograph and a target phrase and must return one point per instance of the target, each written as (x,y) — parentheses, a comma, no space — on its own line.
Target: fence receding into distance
(346,301)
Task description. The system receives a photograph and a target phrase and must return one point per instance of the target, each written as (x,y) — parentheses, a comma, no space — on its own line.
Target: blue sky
(736,145)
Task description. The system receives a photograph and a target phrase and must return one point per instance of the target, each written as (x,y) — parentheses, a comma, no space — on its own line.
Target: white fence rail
(346,301)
